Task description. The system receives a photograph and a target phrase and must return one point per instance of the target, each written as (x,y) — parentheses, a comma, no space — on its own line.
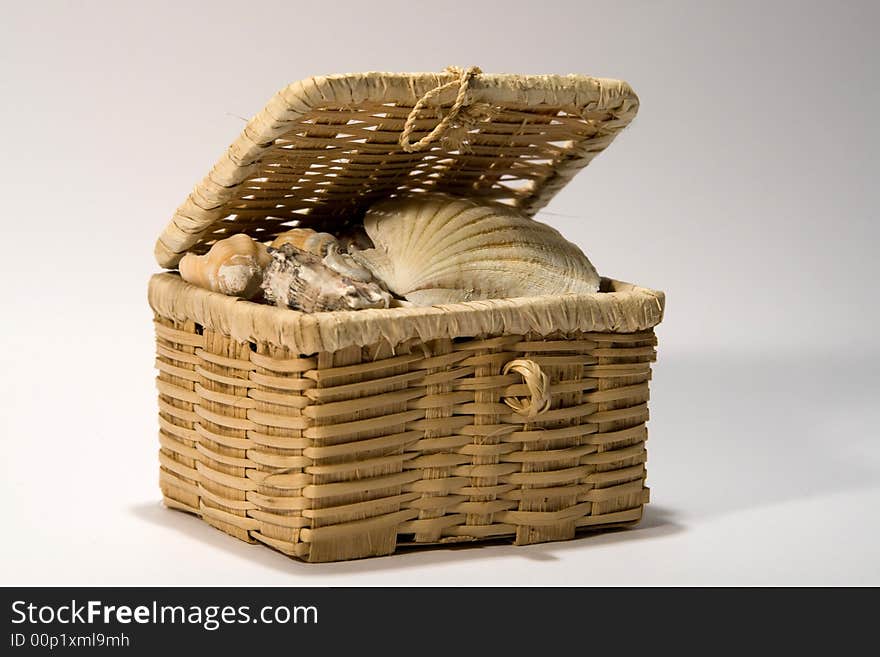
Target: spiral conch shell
(433,249)
(233,266)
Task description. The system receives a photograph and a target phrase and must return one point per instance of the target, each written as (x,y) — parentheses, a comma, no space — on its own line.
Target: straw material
(350,453)
(325,148)
(621,308)
(341,435)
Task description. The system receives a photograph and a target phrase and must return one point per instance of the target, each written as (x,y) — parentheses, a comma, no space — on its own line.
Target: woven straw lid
(324,149)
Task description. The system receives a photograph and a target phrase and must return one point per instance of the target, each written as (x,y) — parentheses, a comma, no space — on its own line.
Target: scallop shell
(433,249)
(300,280)
(233,266)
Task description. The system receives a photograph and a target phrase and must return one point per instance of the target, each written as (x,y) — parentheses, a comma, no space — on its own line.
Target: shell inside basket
(426,249)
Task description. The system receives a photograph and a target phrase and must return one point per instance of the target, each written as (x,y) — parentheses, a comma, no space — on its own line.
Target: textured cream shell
(301,280)
(434,249)
(326,246)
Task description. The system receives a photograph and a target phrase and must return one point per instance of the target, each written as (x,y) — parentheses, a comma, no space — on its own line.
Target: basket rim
(209,203)
(625,308)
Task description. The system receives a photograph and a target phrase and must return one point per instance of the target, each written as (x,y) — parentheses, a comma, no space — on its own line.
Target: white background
(746,189)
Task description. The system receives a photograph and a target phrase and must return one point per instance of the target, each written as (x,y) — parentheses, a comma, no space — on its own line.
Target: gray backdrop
(746,189)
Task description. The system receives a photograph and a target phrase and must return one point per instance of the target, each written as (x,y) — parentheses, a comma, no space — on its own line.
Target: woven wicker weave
(342,435)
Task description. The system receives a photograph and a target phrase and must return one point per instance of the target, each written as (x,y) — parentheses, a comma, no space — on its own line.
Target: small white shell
(433,249)
(343,263)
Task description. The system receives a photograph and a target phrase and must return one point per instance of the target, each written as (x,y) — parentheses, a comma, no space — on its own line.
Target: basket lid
(326,148)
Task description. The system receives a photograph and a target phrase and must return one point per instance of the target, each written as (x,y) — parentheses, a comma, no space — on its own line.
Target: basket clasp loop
(538,384)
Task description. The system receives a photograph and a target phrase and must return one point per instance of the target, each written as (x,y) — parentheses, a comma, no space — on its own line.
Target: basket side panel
(484,469)
(623,371)
(176,344)
(556,444)
(487,472)
(232,448)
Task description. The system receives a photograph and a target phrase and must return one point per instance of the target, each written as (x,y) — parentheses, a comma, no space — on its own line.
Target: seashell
(433,249)
(327,247)
(300,280)
(354,236)
(306,239)
(233,266)
(343,263)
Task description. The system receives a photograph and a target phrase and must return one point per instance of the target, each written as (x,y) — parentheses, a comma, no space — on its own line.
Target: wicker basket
(342,435)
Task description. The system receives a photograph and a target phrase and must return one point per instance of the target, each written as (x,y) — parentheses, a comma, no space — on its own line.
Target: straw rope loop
(538,384)
(463,82)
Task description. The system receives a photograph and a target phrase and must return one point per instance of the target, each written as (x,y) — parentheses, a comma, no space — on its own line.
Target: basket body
(352,452)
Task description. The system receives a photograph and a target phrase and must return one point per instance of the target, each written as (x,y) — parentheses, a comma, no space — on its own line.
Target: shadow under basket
(342,435)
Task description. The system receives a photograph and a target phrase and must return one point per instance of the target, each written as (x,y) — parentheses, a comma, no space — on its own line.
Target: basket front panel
(278,446)
(351,453)
(357,468)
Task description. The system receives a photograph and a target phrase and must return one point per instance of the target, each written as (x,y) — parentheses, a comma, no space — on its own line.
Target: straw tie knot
(538,384)
(463,82)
